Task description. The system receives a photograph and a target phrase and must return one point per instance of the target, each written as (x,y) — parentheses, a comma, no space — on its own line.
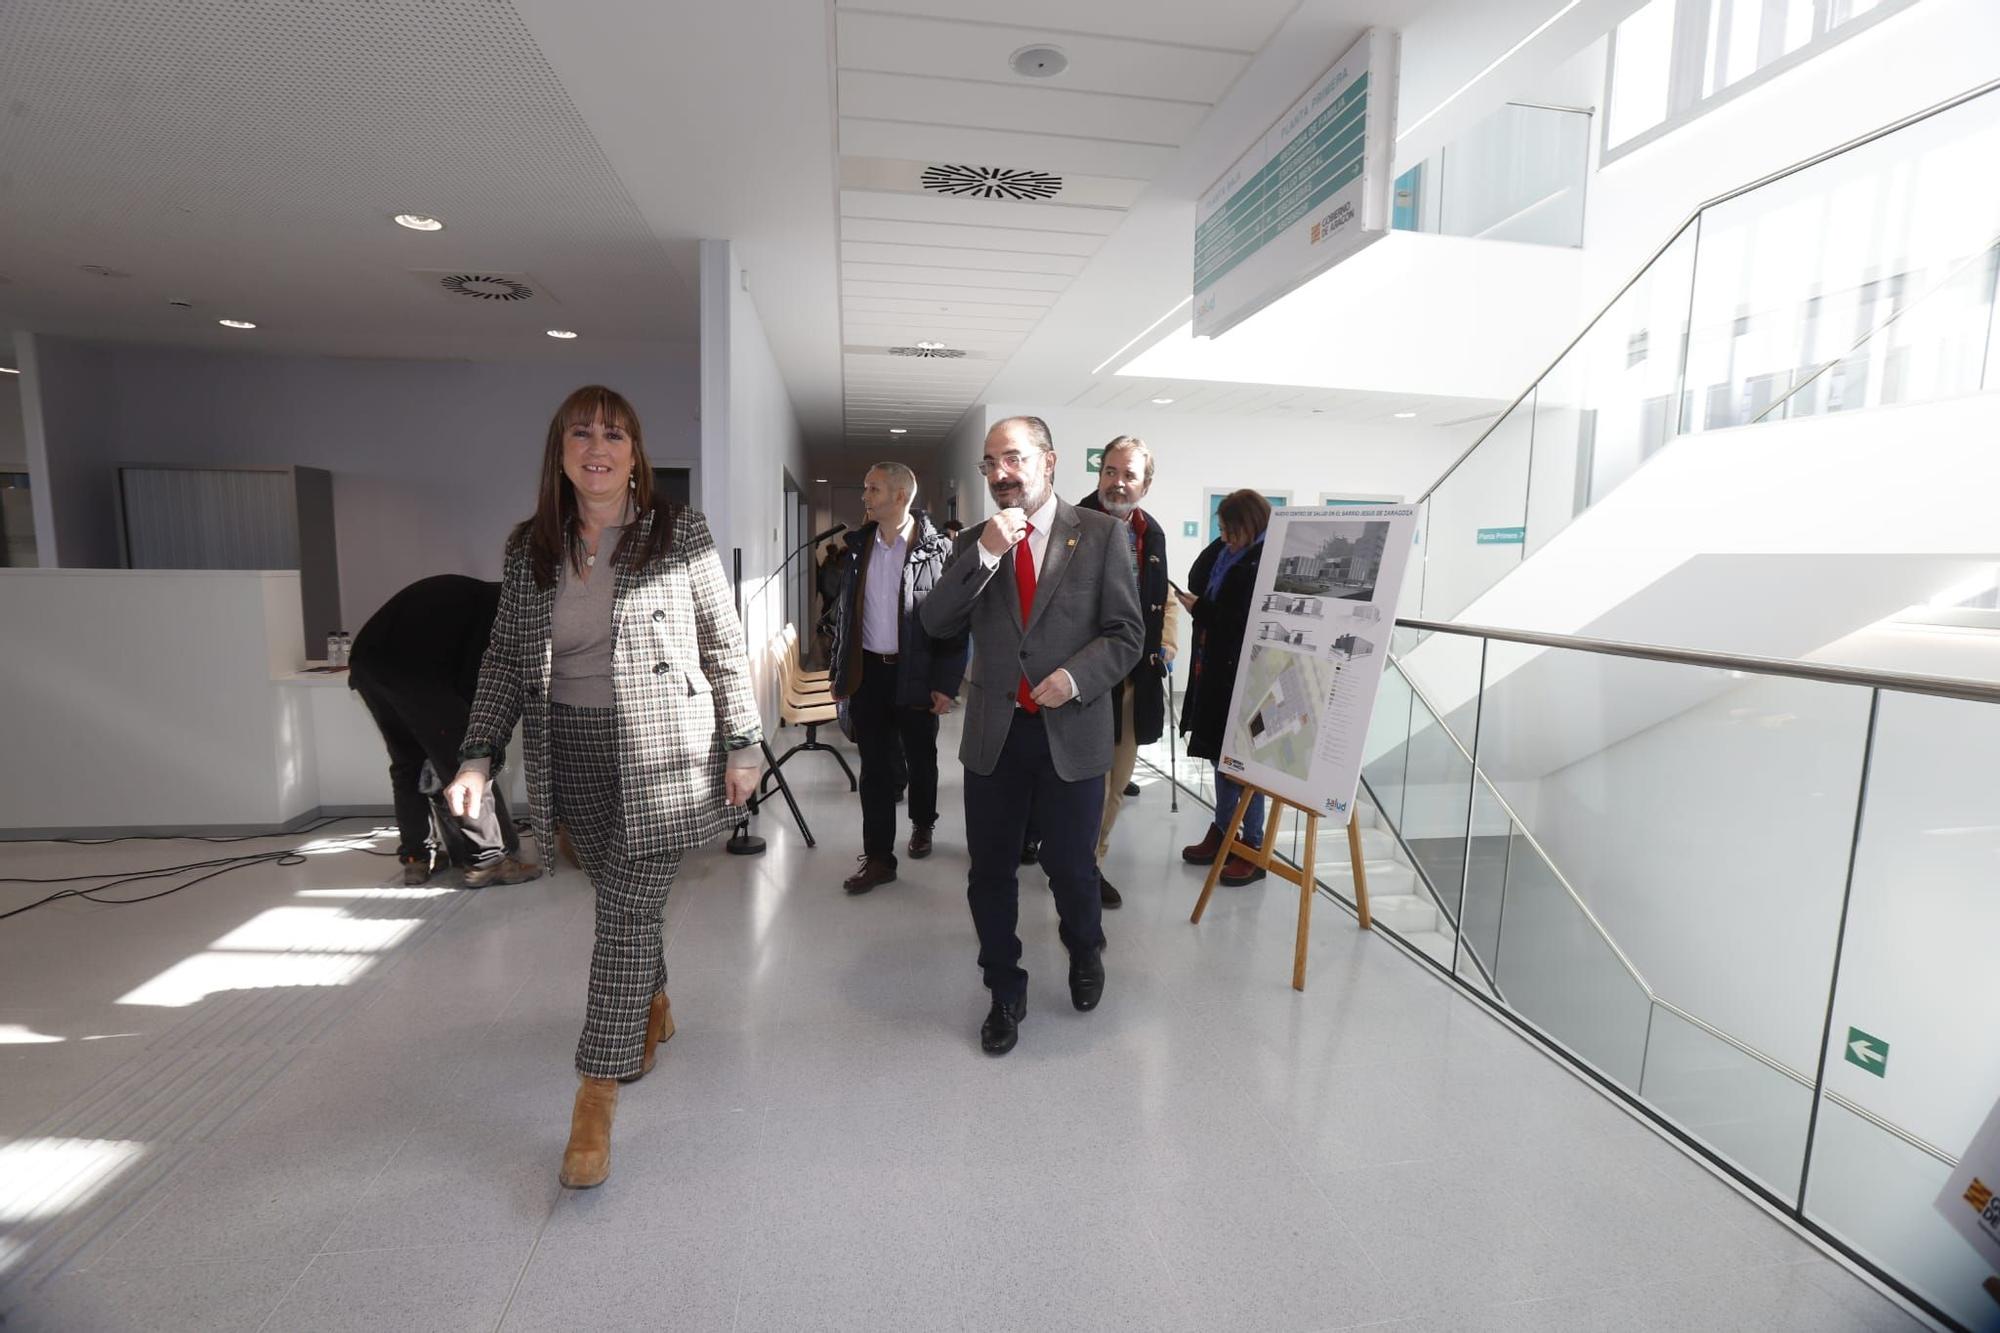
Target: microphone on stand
(833,531)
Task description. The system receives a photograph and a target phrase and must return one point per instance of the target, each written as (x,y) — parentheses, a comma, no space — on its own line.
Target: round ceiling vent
(1039,62)
(486,287)
(928,349)
(992,182)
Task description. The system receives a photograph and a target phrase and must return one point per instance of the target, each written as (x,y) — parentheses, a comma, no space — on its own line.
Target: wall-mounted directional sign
(1093,460)
(1869,1052)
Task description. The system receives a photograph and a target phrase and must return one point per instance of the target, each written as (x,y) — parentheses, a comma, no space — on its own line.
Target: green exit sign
(1190,529)
(1869,1052)
(1093,460)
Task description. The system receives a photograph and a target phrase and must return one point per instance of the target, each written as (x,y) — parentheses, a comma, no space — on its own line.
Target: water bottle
(346,647)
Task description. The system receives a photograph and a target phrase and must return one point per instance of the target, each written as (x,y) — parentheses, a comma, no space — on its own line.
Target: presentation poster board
(1313,651)
(1314,190)
(1970,1200)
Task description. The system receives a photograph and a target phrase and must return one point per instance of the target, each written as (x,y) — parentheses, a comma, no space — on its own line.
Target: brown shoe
(659,1029)
(416,871)
(920,842)
(874,870)
(507,870)
(1236,872)
(587,1160)
(1204,851)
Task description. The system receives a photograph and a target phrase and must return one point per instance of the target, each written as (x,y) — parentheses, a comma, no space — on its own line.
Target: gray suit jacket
(1086,620)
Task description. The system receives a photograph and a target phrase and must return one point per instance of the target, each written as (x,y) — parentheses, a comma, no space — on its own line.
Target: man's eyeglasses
(1011,460)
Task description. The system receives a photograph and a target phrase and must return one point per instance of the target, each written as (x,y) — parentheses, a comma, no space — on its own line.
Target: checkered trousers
(627,963)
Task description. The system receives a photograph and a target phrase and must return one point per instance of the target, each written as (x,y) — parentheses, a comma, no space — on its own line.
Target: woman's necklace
(590,552)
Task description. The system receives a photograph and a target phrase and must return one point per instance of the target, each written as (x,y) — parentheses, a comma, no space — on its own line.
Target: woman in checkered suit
(618,650)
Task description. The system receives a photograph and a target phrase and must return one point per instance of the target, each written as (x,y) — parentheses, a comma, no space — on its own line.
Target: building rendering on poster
(1324,604)
(1311,192)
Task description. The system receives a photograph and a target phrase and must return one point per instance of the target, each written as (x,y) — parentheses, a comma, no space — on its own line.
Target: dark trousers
(898,744)
(998,807)
(422,721)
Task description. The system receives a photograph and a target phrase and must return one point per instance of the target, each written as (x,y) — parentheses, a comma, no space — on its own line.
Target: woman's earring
(631,481)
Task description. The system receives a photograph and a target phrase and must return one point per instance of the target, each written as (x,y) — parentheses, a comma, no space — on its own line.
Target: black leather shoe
(1002,1027)
(1131,789)
(1031,851)
(1086,979)
(874,870)
(1107,895)
(920,842)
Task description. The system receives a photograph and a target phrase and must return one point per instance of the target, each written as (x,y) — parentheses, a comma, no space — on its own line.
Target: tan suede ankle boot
(587,1160)
(659,1028)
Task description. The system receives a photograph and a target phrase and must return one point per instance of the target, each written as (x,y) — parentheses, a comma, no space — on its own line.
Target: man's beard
(1117,508)
(1025,498)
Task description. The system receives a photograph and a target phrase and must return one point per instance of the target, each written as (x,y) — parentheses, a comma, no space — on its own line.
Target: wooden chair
(803,707)
(806,680)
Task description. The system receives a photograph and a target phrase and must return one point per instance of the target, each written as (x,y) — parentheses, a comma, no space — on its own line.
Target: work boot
(416,870)
(874,870)
(659,1030)
(587,1160)
(1200,853)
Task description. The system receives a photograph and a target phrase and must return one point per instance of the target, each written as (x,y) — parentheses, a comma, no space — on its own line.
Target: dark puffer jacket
(925,664)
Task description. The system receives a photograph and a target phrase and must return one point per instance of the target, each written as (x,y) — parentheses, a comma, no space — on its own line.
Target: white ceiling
(247,159)
(930,84)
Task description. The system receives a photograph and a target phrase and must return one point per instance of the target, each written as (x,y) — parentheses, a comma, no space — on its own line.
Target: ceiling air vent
(486,287)
(992,182)
(928,349)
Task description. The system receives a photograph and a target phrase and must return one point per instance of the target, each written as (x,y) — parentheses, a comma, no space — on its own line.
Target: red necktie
(1024,582)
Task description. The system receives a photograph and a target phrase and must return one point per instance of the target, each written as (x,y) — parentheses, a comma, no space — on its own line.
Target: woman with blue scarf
(1225,574)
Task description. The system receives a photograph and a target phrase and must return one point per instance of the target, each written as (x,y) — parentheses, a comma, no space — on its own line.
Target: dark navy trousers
(1066,814)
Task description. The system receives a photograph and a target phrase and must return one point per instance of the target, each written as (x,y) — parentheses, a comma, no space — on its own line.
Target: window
(1674,59)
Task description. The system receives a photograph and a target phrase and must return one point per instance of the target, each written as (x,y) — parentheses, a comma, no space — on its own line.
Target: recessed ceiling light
(899,430)
(1038,61)
(819,481)
(561,333)
(1404,416)
(8,370)
(418,222)
(236,324)
(1161,402)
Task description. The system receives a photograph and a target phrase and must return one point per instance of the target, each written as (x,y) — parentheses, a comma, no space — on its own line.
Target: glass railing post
(1471,804)
(1683,400)
(1839,945)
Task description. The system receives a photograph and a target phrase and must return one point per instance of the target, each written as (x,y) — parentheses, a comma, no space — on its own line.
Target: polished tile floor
(289,1099)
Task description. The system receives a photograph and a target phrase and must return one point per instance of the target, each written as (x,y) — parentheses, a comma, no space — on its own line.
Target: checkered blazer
(680,675)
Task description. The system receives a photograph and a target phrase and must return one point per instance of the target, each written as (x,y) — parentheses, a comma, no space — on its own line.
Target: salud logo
(1868,1052)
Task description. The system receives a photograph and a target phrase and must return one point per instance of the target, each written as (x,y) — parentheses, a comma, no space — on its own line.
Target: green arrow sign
(1093,460)
(1870,1053)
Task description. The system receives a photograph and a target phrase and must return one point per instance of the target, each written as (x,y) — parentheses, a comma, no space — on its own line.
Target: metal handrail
(1945,687)
(1693,216)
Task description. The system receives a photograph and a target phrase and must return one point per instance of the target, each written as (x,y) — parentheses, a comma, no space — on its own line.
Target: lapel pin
(1070,542)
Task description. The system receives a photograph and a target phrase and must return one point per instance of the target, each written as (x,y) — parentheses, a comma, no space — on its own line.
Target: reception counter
(171,701)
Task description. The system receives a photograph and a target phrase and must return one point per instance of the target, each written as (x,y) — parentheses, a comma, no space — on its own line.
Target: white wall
(1193,454)
(432,461)
(750,438)
(1909,61)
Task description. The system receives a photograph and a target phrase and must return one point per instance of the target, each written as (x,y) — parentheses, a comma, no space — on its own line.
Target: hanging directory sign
(1313,191)
(1313,650)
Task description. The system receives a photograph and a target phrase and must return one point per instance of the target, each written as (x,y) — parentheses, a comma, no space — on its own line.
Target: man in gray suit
(1050,595)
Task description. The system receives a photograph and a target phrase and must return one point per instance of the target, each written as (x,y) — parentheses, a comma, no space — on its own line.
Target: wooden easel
(1303,876)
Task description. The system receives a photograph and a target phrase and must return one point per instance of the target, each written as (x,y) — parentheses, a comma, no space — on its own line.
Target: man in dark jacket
(415,665)
(1139,706)
(895,680)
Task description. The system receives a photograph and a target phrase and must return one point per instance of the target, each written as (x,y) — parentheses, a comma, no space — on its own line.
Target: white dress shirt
(882,592)
(1037,542)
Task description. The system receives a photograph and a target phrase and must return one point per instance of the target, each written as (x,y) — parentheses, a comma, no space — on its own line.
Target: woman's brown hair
(551,535)
(1245,511)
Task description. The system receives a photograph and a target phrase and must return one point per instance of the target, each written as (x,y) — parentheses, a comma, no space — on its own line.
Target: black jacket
(1149,704)
(433,632)
(1219,624)
(924,664)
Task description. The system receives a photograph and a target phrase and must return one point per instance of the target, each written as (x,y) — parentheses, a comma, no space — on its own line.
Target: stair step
(1386,879)
(1405,913)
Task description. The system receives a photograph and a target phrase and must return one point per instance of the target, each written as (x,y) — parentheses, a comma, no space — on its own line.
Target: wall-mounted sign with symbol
(1093,460)
(1868,1052)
